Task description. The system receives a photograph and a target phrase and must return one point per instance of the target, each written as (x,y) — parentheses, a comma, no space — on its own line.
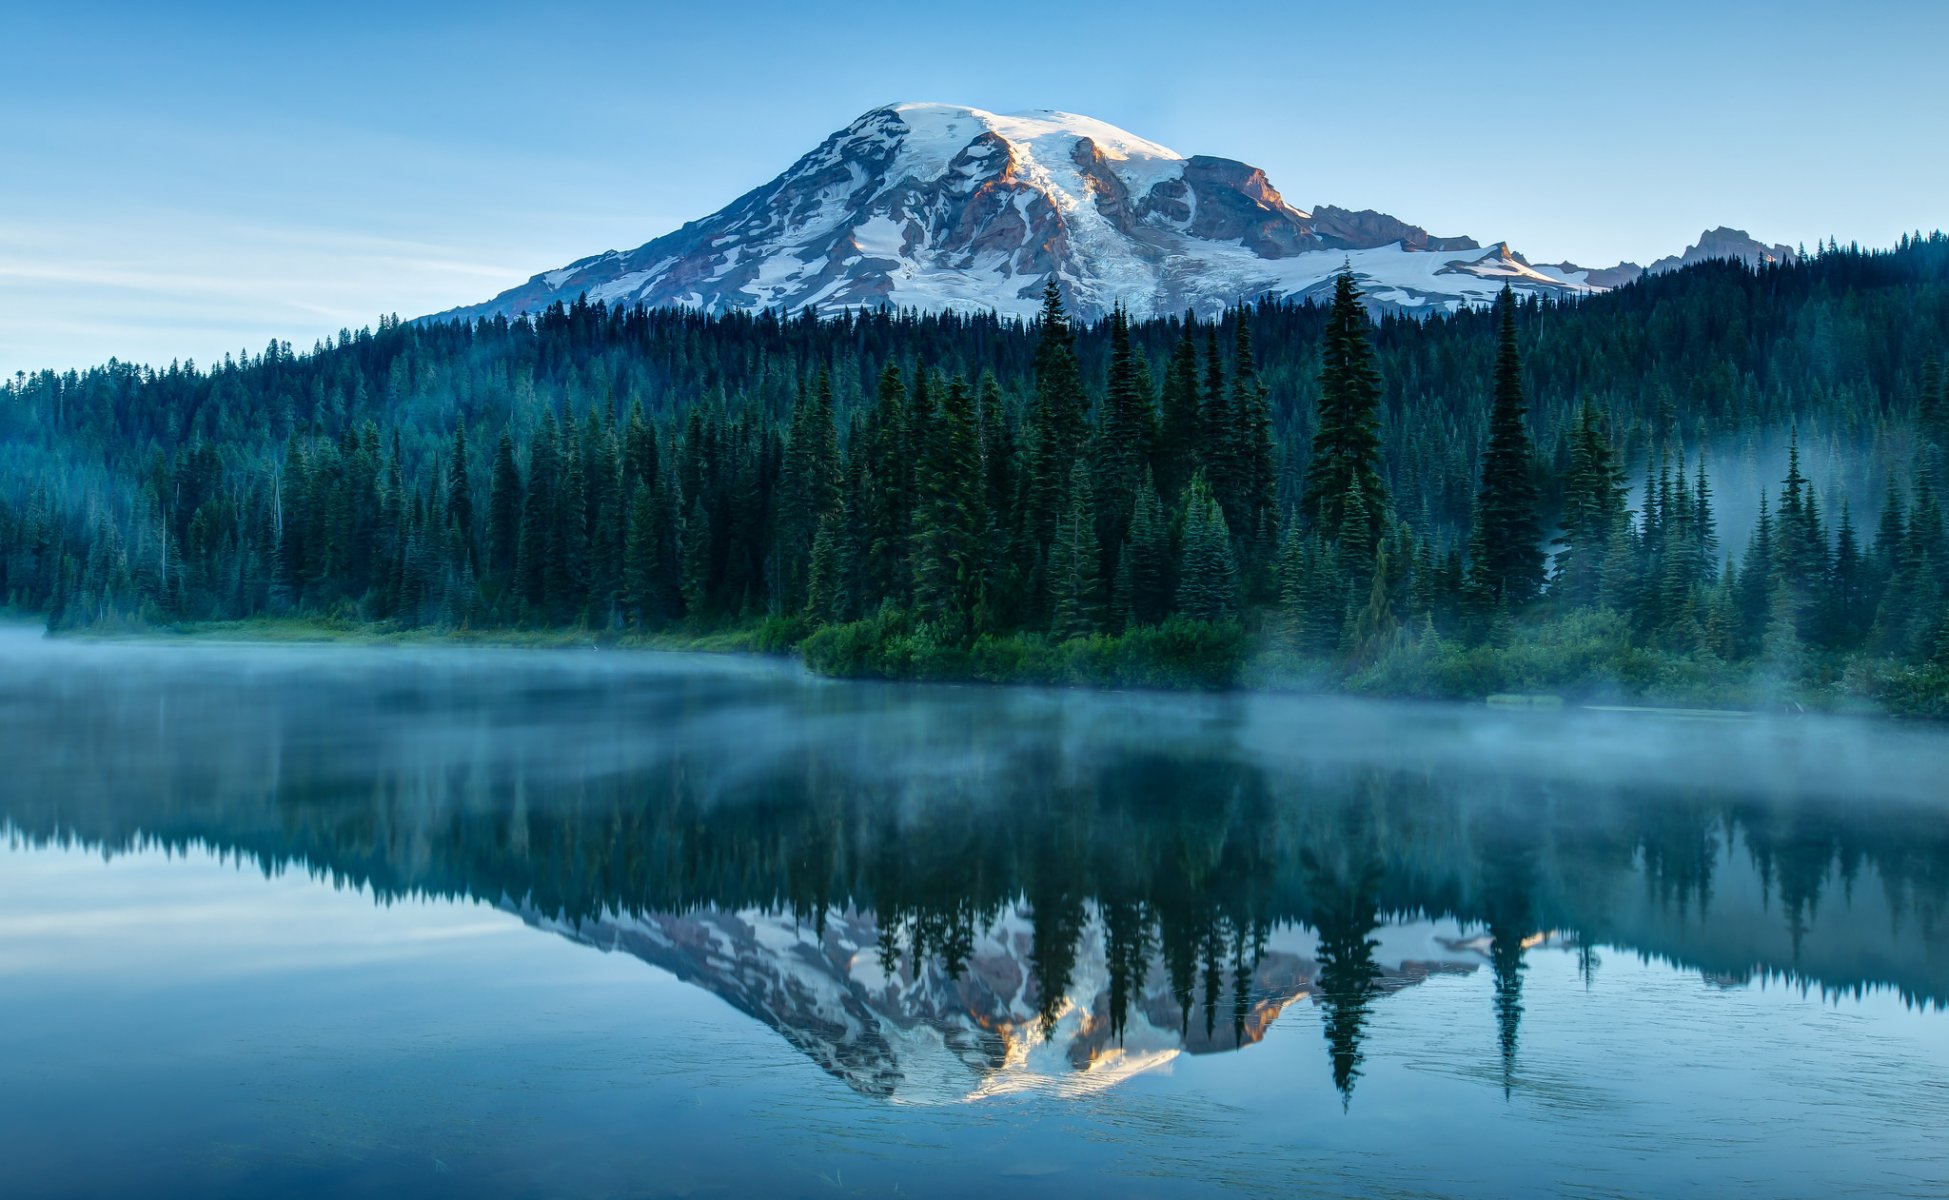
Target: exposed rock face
(1734,245)
(1378,229)
(1724,243)
(936,206)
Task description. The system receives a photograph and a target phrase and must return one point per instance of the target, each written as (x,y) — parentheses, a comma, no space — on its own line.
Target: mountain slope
(938,206)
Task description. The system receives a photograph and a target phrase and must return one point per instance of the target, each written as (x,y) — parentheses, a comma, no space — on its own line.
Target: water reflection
(936,893)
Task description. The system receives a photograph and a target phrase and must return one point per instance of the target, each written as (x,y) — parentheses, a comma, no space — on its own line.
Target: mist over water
(320,919)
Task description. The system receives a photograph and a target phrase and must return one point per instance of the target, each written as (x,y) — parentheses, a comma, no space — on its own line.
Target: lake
(323,921)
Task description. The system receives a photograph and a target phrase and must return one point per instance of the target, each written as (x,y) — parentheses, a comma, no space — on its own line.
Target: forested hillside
(1716,483)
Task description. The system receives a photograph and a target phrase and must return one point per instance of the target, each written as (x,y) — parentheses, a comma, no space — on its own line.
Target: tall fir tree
(1056,428)
(1346,441)
(1178,436)
(460,494)
(1075,565)
(504,504)
(951,533)
(1207,587)
(1593,505)
(1507,565)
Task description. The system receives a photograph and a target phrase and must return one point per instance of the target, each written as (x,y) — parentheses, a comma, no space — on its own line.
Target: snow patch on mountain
(942,206)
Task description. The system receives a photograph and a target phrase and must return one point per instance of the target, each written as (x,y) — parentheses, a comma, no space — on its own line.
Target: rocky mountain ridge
(935,206)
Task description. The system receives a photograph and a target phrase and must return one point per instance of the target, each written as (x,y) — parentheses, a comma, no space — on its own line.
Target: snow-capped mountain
(901,1029)
(938,206)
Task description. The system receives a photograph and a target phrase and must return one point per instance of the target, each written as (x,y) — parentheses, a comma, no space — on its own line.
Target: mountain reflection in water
(938,893)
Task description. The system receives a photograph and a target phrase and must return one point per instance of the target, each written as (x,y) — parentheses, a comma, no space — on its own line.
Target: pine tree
(608,519)
(1146,557)
(1056,425)
(887,516)
(1346,443)
(1208,574)
(1123,445)
(1376,623)
(1323,600)
(568,582)
(1756,576)
(538,546)
(640,566)
(460,494)
(1800,544)
(1214,457)
(1508,570)
(1842,617)
(1593,505)
(504,511)
(1257,472)
(951,536)
(822,573)
(809,486)
(1705,527)
(697,562)
(1075,566)
(1177,444)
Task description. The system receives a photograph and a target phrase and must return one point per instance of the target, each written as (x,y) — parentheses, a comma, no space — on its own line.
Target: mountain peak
(935,206)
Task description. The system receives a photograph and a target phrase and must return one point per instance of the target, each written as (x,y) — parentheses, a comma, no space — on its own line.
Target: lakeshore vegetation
(1718,485)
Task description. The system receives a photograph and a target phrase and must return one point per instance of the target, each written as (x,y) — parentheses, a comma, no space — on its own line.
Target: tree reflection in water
(945,888)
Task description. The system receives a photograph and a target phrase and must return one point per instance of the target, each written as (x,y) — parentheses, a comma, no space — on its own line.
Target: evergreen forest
(1719,485)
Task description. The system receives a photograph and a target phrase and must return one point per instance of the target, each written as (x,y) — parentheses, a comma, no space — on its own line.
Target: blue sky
(181,180)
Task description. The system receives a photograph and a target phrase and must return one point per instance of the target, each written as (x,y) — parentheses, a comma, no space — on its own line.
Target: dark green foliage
(504,514)
(1056,426)
(1179,435)
(617,469)
(1345,467)
(1208,576)
(952,530)
(1593,508)
(1075,565)
(1145,568)
(1506,560)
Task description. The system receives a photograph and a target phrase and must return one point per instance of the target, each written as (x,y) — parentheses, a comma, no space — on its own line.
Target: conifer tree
(1178,438)
(504,511)
(1756,576)
(641,565)
(538,547)
(1146,558)
(460,493)
(608,520)
(1124,442)
(1593,505)
(1346,443)
(1075,565)
(568,583)
(1507,569)
(887,514)
(697,562)
(1207,587)
(1842,617)
(951,535)
(1376,623)
(822,573)
(1257,474)
(1214,456)
(1057,421)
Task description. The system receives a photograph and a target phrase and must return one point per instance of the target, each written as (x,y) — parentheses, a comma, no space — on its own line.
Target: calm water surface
(312,921)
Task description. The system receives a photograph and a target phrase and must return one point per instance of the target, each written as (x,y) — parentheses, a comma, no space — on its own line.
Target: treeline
(1415,505)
